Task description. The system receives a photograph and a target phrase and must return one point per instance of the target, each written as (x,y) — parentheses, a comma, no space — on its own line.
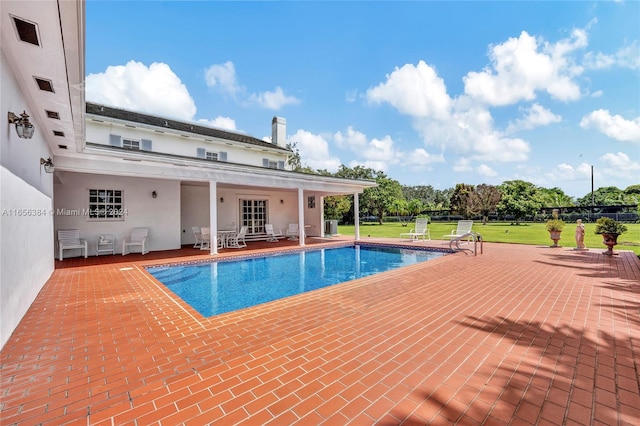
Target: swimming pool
(221,286)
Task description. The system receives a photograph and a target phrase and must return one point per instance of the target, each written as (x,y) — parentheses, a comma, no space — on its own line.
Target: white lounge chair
(293,231)
(237,240)
(138,238)
(197,233)
(70,239)
(464,227)
(420,231)
(272,234)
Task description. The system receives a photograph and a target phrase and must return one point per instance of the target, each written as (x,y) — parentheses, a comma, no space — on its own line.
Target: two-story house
(72,164)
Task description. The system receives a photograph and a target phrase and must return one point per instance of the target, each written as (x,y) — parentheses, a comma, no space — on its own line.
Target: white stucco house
(115,170)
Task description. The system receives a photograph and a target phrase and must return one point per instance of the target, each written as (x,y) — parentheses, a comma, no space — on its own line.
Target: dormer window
(131,144)
(211,155)
(270,164)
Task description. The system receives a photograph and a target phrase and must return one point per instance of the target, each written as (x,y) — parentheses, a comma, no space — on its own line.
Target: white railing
(467,237)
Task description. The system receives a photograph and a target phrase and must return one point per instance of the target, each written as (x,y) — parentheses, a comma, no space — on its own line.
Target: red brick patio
(518,335)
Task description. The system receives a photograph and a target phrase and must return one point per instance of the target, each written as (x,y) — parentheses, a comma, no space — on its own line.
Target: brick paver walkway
(518,335)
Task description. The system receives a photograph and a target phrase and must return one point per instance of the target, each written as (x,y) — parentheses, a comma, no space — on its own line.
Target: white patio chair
(205,235)
(293,232)
(237,240)
(272,234)
(420,231)
(70,239)
(197,233)
(137,238)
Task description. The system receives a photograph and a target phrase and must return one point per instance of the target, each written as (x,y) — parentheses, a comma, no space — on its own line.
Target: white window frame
(131,144)
(105,205)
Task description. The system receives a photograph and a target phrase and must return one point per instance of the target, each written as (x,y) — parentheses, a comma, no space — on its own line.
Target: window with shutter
(115,140)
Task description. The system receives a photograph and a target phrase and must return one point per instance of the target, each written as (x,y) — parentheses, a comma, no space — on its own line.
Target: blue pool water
(223,286)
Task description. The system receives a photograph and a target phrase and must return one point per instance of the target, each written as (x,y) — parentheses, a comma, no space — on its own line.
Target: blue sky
(431,93)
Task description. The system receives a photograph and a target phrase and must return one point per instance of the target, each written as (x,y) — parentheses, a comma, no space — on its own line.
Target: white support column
(301,201)
(213,217)
(356,215)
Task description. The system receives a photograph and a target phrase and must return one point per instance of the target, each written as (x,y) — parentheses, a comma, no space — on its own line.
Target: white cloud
(153,90)
(463,164)
(273,100)
(223,77)
(352,139)
(522,66)
(221,123)
(420,158)
(486,171)
(621,163)
(626,57)
(534,116)
(614,126)
(413,90)
(566,172)
(314,151)
(375,165)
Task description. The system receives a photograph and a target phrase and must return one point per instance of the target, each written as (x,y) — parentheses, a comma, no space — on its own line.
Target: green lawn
(526,233)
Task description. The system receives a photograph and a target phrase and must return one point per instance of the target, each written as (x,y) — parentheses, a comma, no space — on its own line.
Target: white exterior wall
(171,143)
(161,215)
(26,225)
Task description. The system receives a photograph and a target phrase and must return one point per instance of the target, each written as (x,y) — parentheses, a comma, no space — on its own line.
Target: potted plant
(554,226)
(610,229)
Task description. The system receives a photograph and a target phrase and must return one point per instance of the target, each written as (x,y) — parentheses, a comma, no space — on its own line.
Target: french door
(253,215)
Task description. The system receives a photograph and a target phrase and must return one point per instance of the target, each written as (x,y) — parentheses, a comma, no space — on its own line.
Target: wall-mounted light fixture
(49,167)
(24,128)
(154,194)
(222,199)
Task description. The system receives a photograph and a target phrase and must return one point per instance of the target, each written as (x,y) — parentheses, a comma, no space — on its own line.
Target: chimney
(279,132)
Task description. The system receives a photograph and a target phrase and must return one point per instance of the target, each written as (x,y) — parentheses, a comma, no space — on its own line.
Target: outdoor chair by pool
(272,234)
(197,233)
(293,231)
(138,238)
(205,238)
(237,240)
(464,227)
(420,231)
(70,239)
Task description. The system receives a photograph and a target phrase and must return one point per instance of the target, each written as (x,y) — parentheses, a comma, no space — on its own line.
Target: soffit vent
(58,133)
(62,146)
(44,85)
(53,114)
(27,31)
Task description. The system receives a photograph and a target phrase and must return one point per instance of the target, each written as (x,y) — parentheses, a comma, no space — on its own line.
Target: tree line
(517,199)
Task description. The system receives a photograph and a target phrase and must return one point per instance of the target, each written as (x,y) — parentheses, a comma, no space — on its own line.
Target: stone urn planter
(554,226)
(555,237)
(609,240)
(610,229)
